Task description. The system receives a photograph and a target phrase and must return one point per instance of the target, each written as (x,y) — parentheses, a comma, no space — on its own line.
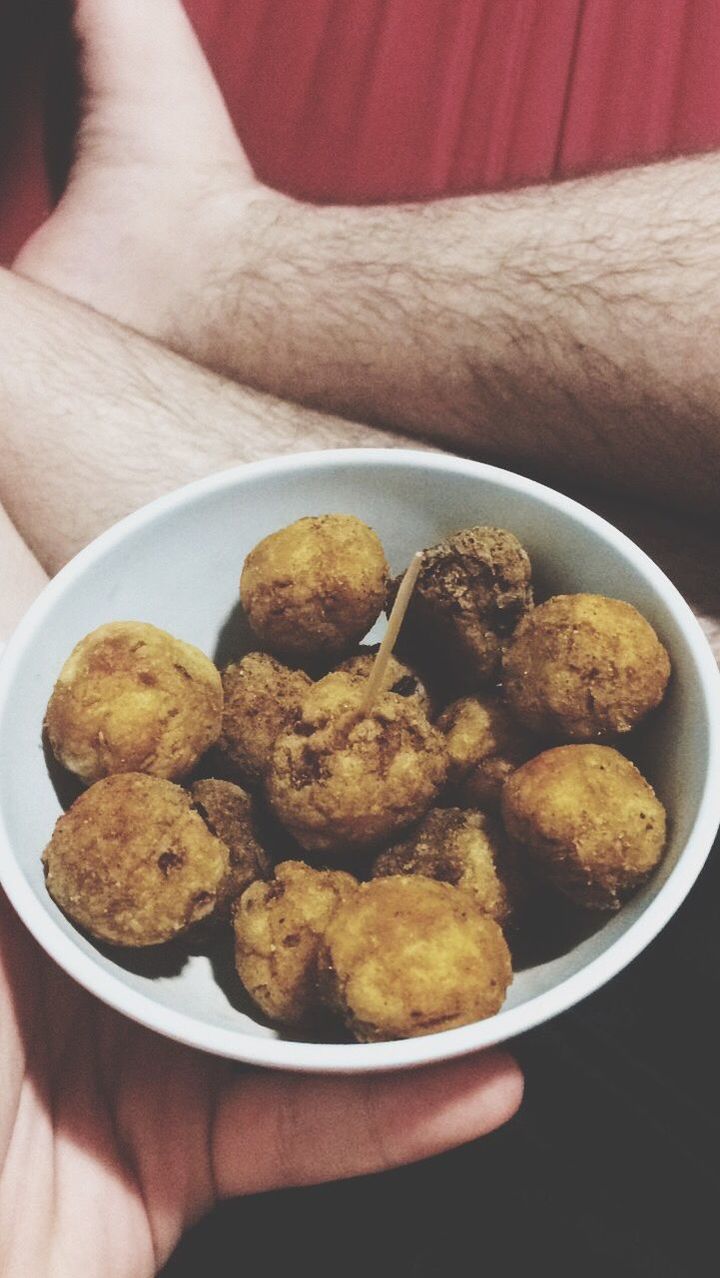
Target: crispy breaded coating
(132,698)
(398,678)
(485,744)
(262,699)
(315,588)
(132,863)
(465,848)
(589,820)
(406,956)
(227,811)
(580,667)
(278,929)
(470,593)
(341,780)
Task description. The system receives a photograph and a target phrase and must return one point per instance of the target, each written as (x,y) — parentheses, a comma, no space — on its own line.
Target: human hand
(114,1140)
(160,182)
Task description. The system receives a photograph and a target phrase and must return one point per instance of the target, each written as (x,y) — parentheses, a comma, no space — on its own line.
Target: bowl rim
(350,1058)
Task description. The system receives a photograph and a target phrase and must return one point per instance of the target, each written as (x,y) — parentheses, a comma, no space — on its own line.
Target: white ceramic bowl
(176,563)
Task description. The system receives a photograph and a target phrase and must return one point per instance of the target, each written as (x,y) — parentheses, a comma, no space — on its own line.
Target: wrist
(230,319)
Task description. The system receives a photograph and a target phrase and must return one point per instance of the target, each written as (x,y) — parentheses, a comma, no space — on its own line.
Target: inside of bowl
(180,568)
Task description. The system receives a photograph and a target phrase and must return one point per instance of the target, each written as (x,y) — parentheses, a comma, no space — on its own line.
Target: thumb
(275,1130)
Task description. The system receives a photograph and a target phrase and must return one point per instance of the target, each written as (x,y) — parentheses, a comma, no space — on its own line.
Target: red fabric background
(396,99)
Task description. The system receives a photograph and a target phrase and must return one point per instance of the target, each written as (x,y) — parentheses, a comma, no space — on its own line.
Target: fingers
(275,1130)
(145,71)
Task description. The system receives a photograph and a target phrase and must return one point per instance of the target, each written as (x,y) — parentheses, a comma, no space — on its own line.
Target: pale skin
(90,1130)
(113,1140)
(571,329)
(115,420)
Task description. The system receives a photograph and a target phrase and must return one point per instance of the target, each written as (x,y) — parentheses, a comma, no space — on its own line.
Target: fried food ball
(132,863)
(398,678)
(278,929)
(485,744)
(469,595)
(582,666)
(467,849)
(589,820)
(341,780)
(131,698)
(315,588)
(406,956)
(262,699)
(227,811)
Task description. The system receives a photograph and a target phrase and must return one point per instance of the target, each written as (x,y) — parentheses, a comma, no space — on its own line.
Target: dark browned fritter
(227,811)
(278,929)
(589,820)
(471,592)
(462,847)
(314,589)
(485,744)
(405,956)
(344,780)
(262,699)
(581,667)
(399,678)
(132,698)
(133,863)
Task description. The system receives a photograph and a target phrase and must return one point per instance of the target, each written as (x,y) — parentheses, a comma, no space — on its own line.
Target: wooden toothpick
(395,620)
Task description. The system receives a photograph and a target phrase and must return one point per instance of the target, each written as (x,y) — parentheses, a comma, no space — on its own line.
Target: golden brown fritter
(227,811)
(343,781)
(485,744)
(405,956)
(470,593)
(131,698)
(278,929)
(589,820)
(398,678)
(580,667)
(262,699)
(315,588)
(465,848)
(132,863)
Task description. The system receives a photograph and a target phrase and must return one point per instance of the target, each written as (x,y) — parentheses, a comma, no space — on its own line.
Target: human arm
(567,329)
(95,420)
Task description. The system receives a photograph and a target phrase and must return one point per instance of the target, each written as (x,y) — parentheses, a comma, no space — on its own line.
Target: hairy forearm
(569,329)
(95,420)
